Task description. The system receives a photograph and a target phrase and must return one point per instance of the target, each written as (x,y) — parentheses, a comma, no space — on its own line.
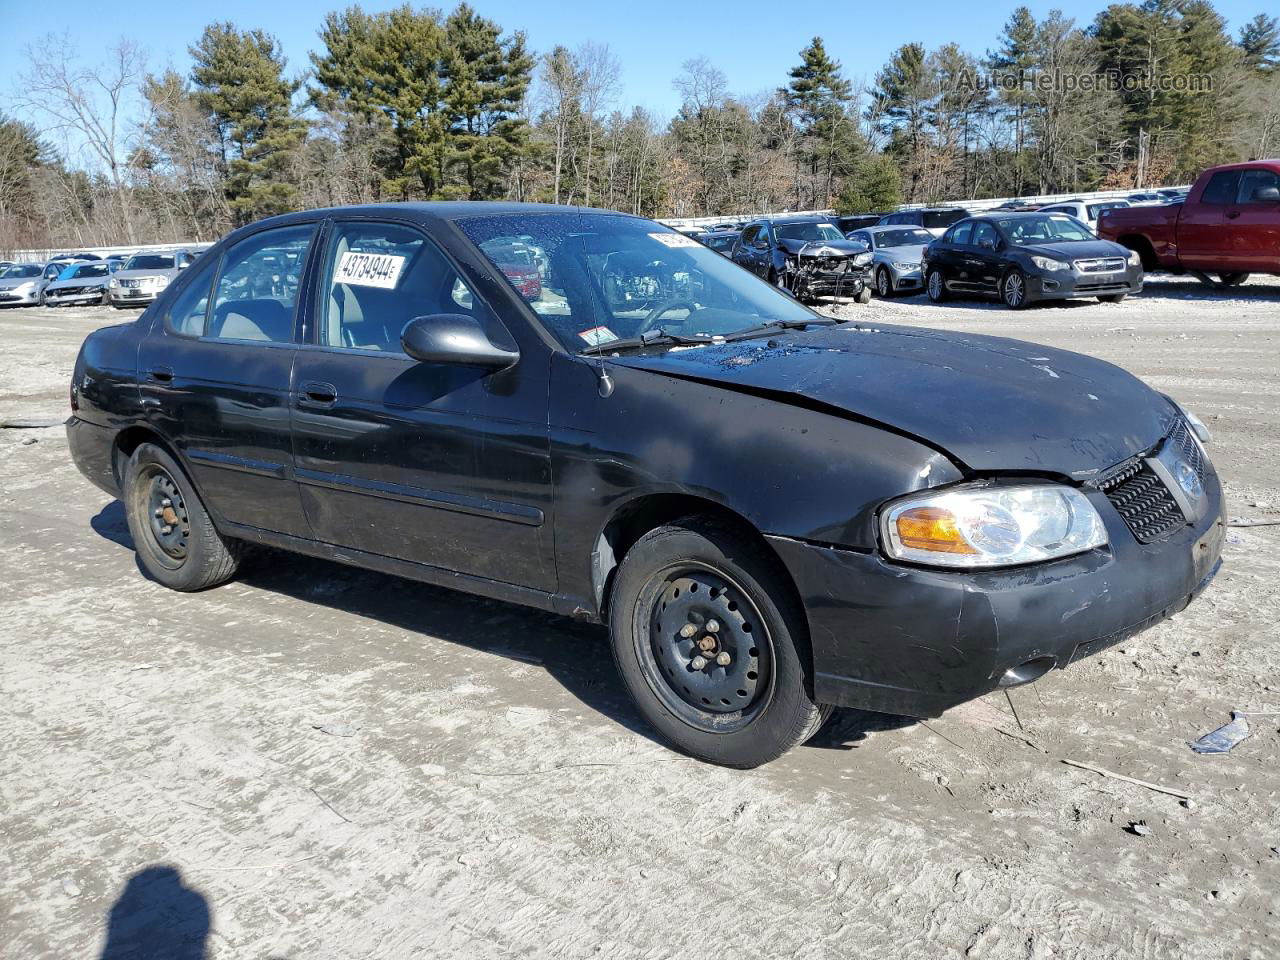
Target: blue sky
(754,43)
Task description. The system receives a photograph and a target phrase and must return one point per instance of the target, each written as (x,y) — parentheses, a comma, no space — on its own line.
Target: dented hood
(990,403)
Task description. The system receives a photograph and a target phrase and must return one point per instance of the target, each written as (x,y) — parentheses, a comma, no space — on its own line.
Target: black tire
(192,555)
(864,295)
(1013,290)
(884,283)
(756,706)
(1113,298)
(1232,279)
(935,286)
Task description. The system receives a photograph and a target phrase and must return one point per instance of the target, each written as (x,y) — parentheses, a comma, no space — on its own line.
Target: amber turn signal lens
(933,529)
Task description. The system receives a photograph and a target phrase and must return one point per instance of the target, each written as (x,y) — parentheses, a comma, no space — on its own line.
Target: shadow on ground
(576,655)
(157,917)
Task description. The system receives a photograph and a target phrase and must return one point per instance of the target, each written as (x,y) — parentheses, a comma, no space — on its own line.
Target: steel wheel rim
(1013,291)
(166,516)
(935,285)
(716,697)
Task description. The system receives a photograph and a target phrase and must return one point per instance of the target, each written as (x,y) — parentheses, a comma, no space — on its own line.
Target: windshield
(807,230)
(83,270)
(1021,231)
(150,261)
(941,219)
(605,277)
(20,270)
(909,237)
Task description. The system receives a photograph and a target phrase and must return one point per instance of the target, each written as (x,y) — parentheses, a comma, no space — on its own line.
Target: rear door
(1204,237)
(214,376)
(438,464)
(1254,222)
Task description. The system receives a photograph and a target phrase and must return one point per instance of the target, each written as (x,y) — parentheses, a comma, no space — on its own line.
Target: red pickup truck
(1229,225)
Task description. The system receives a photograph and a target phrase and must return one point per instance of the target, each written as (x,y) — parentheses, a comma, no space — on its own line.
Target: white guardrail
(974,205)
(43,256)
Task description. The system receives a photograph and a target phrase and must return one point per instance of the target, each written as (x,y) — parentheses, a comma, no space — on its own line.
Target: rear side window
(187,315)
(257,290)
(1222,188)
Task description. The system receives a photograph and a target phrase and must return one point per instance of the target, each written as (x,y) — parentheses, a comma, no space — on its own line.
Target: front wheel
(1113,298)
(712,645)
(1233,279)
(935,286)
(864,295)
(884,284)
(176,541)
(1013,290)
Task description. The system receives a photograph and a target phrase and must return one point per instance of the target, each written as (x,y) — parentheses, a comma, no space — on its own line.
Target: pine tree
(819,97)
(1260,43)
(1015,58)
(875,186)
(238,79)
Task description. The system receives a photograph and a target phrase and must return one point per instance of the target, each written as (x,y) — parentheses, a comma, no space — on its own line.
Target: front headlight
(1045,263)
(1135,258)
(906,266)
(114,283)
(995,526)
(862,259)
(161,282)
(27,287)
(1195,423)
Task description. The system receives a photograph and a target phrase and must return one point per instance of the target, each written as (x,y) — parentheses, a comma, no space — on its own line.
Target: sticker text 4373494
(369,269)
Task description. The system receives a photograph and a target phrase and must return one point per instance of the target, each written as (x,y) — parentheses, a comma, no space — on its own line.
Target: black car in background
(774,511)
(1026,257)
(807,256)
(936,219)
(847,225)
(721,241)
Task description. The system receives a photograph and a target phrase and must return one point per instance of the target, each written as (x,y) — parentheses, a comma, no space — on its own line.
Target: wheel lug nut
(723,658)
(688,630)
(713,626)
(698,662)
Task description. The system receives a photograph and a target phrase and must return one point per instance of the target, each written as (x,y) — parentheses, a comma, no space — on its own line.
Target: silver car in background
(84,282)
(897,253)
(22,284)
(144,277)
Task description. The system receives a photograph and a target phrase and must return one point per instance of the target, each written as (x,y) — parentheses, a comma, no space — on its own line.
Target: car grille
(1102,265)
(67,291)
(1142,500)
(1182,438)
(130,284)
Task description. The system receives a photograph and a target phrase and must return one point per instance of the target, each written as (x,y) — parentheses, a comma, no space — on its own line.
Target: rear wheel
(711,644)
(935,286)
(176,541)
(1013,290)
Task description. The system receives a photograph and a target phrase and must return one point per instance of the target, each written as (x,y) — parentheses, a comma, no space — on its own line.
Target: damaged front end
(818,268)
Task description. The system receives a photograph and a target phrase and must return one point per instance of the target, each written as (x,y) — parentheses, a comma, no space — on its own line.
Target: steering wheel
(652,316)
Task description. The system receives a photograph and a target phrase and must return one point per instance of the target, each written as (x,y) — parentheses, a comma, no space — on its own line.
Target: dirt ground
(164,760)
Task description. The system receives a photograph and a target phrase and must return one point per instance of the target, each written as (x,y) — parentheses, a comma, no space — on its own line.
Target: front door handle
(316,393)
(160,374)
(1232,214)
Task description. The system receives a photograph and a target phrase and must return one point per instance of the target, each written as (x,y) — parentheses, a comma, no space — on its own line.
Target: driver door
(439,464)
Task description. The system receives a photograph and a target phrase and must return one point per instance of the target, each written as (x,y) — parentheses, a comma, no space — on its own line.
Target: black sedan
(807,255)
(1026,257)
(774,512)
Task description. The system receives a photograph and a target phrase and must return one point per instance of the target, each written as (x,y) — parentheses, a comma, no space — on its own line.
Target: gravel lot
(499,796)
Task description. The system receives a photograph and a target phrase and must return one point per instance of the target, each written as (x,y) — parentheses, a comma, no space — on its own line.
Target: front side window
(984,235)
(609,277)
(379,276)
(962,234)
(1254,182)
(1221,189)
(257,290)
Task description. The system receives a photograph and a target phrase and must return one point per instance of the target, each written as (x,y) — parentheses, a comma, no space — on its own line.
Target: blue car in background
(81,283)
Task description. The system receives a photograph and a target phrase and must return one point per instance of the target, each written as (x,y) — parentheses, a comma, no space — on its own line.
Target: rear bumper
(914,641)
(91,450)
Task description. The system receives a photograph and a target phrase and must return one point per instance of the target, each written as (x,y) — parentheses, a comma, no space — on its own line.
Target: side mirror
(454,338)
(1267,195)
(183,264)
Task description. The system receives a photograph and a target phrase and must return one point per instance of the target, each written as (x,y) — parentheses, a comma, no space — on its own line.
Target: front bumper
(909,640)
(9,298)
(55,298)
(907,279)
(1065,284)
(133,296)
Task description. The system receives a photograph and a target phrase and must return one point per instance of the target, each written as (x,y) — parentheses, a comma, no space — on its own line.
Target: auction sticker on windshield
(369,269)
(598,335)
(675,240)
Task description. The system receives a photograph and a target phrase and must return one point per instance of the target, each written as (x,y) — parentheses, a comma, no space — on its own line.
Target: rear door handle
(1232,214)
(160,374)
(316,393)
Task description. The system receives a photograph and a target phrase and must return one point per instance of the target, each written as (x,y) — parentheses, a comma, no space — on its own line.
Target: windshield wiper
(770,326)
(651,338)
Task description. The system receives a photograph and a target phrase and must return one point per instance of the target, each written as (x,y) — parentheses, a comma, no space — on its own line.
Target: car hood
(847,248)
(141,274)
(911,253)
(77,282)
(13,283)
(1075,250)
(990,403)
